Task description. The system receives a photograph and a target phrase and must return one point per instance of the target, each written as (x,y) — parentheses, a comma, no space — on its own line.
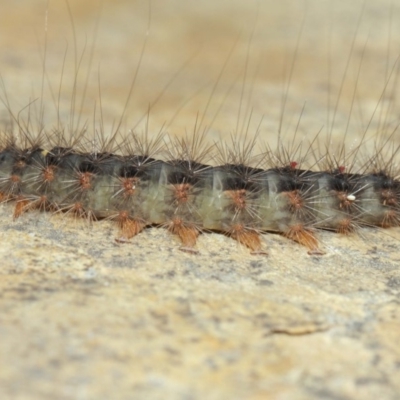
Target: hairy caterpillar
(247,194)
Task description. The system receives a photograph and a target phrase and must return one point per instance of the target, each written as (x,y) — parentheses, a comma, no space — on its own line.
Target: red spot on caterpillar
(293,164)
(342,169)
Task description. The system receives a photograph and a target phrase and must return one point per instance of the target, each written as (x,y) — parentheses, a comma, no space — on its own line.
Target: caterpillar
(190,187)
(188,197)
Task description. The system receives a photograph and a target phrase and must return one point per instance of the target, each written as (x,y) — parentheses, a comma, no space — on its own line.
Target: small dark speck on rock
(265,282)
(171,273)
(256,264)
(393,282)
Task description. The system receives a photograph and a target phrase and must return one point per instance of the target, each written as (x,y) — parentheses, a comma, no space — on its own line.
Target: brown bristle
(4,197)
(247,237)
(129,227)
(303,236)
(390,219)
(296,201)
(77,210)
(48,173)
(20,207)
(181,192)
(41,203)
(15,179)
(238,197)
(85,180)
(128,186)
(188,233)
(389,198)
(345,226)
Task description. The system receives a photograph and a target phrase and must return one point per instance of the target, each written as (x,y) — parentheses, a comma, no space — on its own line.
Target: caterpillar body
(189,197)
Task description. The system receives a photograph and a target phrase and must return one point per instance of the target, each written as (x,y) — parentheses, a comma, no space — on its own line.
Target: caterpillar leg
(187,232)
(247,237)
(21,206)
(305,237)
(129,227)
(24,205)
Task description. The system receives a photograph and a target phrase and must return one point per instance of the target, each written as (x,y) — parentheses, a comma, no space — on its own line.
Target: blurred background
(233,66)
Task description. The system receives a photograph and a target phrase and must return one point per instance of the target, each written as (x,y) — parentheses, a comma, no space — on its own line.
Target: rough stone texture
(82,317)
